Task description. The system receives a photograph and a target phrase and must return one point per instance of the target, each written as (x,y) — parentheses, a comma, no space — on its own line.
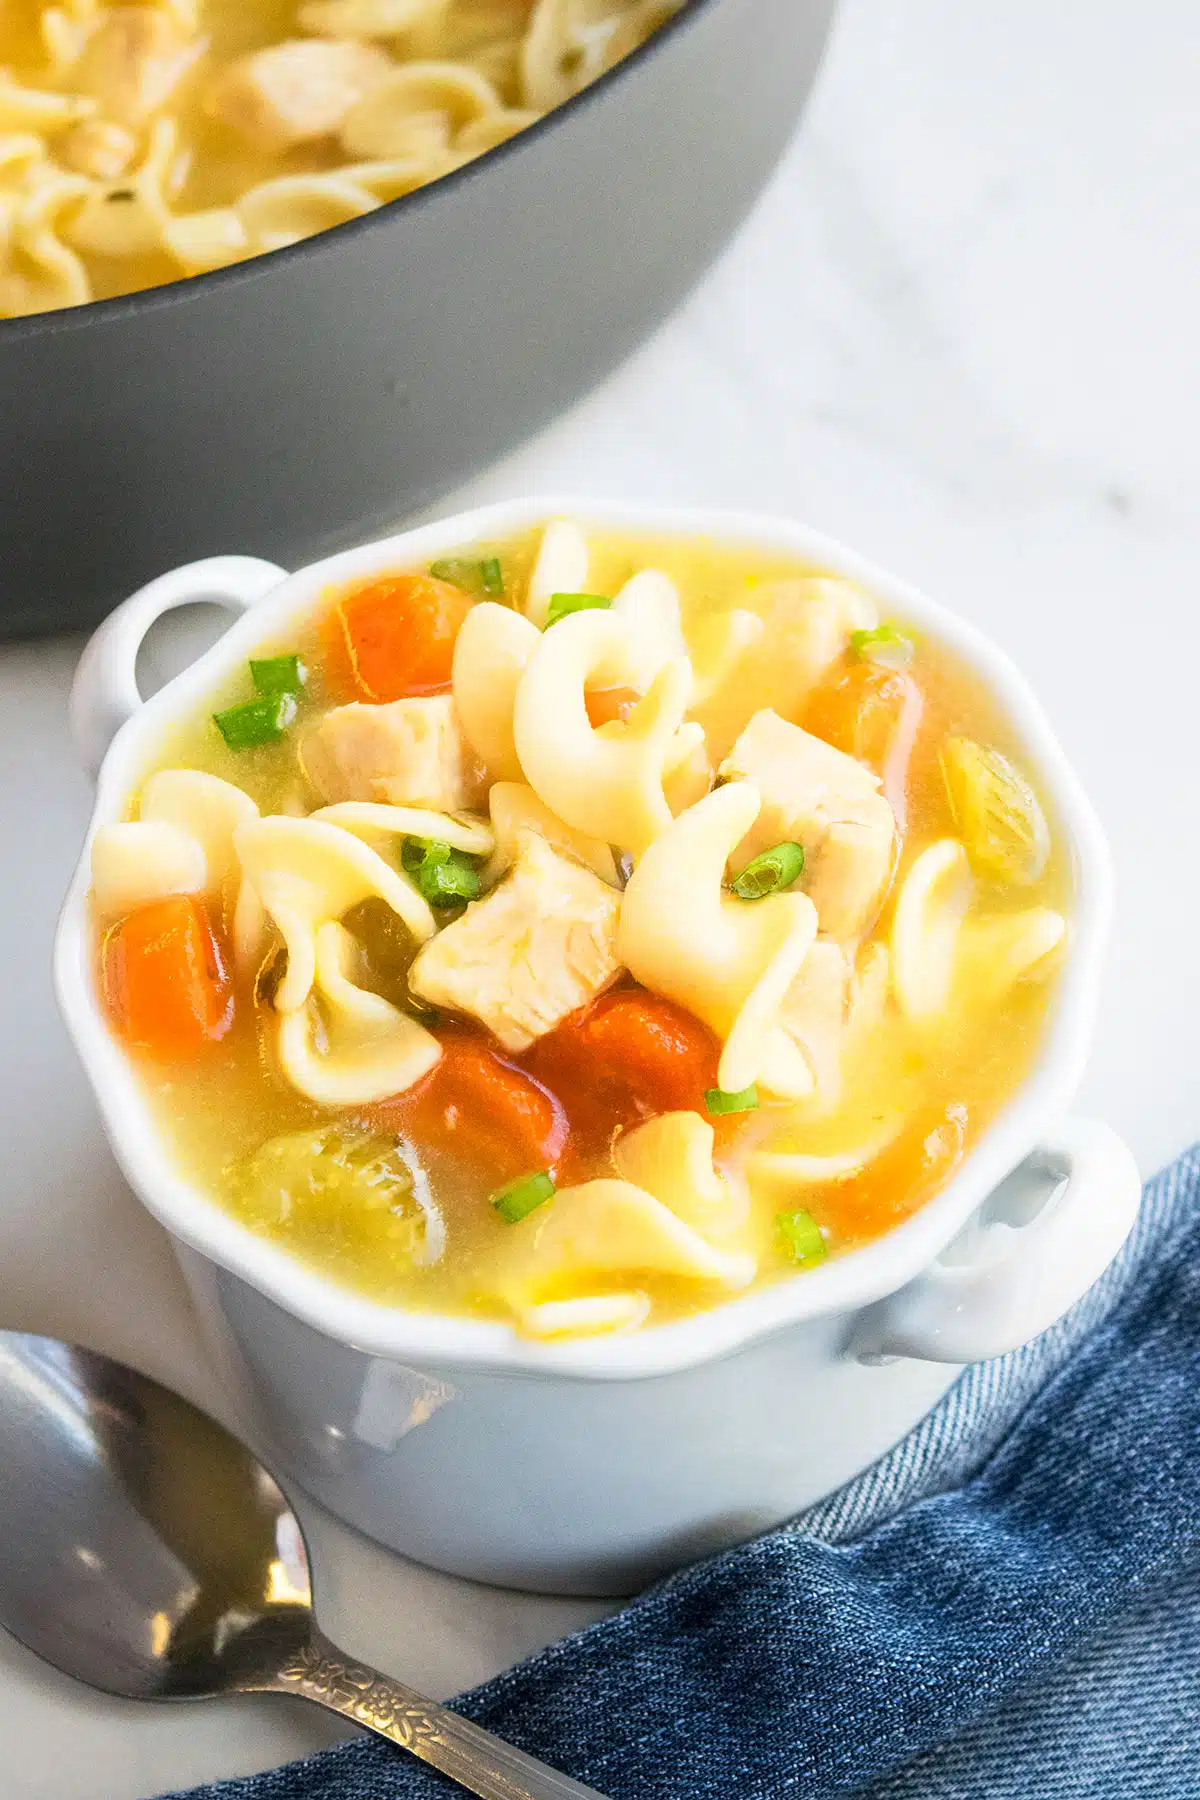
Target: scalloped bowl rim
(846,1283)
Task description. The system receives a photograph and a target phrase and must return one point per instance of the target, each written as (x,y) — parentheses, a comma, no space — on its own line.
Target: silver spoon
(145,1551)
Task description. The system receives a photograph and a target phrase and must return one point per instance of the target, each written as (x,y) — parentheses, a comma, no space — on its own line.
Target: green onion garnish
(256,722)
(277,674)
(802,1237)
(562,604)
(767,873)
(718,1101)
(443,875)
(885,645)
(516,1201)
(419,853)
(484,577)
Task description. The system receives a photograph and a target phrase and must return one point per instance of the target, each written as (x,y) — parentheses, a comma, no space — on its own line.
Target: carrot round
(165,980)
(862,711)
(394,636)
(604,705)
(898,1182)
(874,714)
(627,1057)
(476,1103)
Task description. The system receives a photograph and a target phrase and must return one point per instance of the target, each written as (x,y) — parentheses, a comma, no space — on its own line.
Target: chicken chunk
(297,91)
(540,945)
(823,799)
(407,753)
(134,62)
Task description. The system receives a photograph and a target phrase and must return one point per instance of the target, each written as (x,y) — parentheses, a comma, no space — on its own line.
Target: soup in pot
(582,929)
(144,142)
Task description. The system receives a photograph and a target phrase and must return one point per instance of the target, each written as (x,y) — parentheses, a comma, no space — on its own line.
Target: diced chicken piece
(135,60)
(297,91)
(823,799)
(540,945)
(407,753)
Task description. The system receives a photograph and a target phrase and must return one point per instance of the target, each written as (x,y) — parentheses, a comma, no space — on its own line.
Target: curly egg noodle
(582,929)
(140,143)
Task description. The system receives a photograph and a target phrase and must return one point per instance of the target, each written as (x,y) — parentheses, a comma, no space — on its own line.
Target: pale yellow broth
(221,1108)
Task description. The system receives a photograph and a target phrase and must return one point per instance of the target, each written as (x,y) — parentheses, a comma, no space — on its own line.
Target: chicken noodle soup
(582,929)
(144,142)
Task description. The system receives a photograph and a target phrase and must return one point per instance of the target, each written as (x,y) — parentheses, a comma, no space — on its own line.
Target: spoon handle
(483,1764)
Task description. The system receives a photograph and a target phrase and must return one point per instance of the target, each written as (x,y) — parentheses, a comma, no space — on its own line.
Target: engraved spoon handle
(483,1764)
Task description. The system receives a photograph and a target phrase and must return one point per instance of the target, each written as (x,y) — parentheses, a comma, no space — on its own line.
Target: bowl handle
(105,691)
(1034,1248)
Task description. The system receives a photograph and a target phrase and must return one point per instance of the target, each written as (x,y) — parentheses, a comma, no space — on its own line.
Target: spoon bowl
(146,1552)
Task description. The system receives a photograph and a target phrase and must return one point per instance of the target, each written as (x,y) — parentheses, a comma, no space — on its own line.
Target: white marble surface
(960,333)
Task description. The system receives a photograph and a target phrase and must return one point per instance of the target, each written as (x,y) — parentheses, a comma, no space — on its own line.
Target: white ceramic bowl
(592,1465)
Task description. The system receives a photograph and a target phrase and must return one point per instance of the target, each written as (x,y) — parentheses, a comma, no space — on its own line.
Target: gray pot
(302,398)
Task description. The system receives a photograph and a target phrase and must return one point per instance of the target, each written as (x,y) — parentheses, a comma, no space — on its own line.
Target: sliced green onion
(443,875)
(802,1237)
(492,575)
(516,1201)
(767,873)
(278,674)
(884,645)
(421,853)
(445,884)
(717,1100)
(256,722)
(562,604)
(484,577)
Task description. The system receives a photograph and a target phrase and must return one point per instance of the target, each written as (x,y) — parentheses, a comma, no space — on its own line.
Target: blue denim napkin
(1007,1605)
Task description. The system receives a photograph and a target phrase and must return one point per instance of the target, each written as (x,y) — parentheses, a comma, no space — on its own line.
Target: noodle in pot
(142,143)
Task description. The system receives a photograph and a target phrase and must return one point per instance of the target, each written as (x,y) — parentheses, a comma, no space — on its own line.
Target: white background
(959,333)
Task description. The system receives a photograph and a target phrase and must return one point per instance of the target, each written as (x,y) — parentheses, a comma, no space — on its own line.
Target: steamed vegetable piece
(165,980)
(278,674)
(333,1177)
(770,872)
(256,722)
(871,713)
(444,875)
(478,1105)
(562,605)
(394,637)
(997,813)
(278,681)
(915,1166)
(883,645)
(629,1055)
(516,1201)
(604,705)
(484,577)
(801,1237)
(719,1100)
